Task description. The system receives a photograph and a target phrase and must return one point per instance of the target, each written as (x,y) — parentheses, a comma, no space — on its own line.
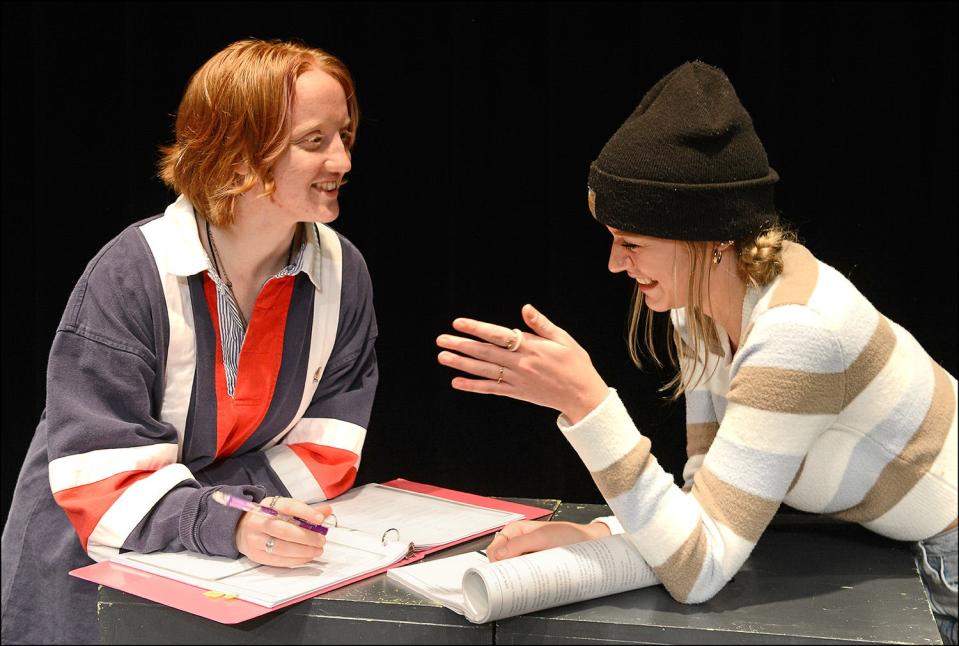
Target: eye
(630,245)
(347,137)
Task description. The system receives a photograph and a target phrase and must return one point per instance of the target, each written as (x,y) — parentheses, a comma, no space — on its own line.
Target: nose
(618,259)
(338,160)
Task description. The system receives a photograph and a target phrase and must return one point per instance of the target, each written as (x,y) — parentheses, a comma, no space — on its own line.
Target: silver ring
(273,502)
(269,545)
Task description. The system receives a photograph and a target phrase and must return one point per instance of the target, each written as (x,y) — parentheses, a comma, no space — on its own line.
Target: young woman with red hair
(227,344)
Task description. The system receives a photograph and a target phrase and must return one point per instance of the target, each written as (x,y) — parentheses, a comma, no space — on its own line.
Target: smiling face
(309,172)
(659,266)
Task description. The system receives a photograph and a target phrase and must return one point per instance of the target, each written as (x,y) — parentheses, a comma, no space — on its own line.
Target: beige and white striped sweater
(827,406)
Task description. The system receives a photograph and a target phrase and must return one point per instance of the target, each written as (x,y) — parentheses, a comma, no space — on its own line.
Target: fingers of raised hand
(475,349)
(484,386)
(544,327)
(472,366)
(498,335)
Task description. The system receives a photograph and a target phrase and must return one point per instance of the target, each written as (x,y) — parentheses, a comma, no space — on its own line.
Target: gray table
(809,580)
(372,611)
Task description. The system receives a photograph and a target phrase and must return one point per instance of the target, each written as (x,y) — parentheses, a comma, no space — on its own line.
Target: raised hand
(546,366)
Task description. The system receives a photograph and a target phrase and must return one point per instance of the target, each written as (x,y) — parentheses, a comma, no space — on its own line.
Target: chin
(657,307)
(323,216)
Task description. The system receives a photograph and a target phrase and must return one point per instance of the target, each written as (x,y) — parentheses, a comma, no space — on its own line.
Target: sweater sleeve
(786,388)
(113,465)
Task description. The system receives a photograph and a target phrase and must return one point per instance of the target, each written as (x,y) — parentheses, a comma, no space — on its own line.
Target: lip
(644,288)
(333,193)
(336,180)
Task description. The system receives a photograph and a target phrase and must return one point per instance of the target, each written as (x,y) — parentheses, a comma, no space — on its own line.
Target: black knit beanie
(686,165)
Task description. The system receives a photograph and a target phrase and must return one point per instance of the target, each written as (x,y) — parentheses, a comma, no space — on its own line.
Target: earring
(718,252)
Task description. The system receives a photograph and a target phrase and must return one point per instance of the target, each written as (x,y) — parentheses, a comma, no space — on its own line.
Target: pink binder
(188,598)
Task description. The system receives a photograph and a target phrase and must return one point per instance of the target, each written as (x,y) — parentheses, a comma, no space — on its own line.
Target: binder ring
(392,533)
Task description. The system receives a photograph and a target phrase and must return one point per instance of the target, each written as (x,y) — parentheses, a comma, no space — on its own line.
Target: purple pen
(248,505)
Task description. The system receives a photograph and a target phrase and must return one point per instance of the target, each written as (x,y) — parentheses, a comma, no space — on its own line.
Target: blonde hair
(236,112)
(759,261)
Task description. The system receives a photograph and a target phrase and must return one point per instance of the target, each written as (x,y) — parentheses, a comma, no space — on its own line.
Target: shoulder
(811,299)
(125,252)
(357,286)
(354,264)
(356,289)
(119,284)
(810,282)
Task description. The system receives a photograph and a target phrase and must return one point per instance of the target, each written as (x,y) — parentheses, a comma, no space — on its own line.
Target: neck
(252,249)
(727,291)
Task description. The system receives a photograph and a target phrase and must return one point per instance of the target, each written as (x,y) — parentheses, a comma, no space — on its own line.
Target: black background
(468,190)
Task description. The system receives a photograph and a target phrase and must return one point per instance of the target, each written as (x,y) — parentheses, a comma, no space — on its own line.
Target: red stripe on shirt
(86,504)
(334,469)
(258,368)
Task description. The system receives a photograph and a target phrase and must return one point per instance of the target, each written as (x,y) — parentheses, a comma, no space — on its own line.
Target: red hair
(236,112)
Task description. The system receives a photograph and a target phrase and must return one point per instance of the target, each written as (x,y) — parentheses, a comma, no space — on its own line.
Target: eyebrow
(319,126)
(632,237)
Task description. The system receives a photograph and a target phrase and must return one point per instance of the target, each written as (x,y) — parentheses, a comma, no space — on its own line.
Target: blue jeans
(936,558)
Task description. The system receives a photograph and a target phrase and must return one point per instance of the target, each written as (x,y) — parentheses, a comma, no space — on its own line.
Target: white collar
(186,255)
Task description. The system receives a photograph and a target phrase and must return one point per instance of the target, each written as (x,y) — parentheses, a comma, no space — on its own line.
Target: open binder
(356,549)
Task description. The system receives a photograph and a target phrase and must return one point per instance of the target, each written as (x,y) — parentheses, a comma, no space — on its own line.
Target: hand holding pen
(285,532)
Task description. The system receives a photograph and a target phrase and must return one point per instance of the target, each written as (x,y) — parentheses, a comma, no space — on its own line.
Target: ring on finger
(513,344)
(269,545)
(273,502)
(499,377)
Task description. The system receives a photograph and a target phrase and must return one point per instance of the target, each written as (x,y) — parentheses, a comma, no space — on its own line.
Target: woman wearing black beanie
(797,389)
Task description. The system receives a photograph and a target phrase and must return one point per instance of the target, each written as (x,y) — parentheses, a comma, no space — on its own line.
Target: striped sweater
(827,406)
(140,427)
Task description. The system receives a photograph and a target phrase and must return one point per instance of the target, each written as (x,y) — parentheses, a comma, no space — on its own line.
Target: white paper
(265,585)
(440,580)
(355,547)
(420,519)
(516,586)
